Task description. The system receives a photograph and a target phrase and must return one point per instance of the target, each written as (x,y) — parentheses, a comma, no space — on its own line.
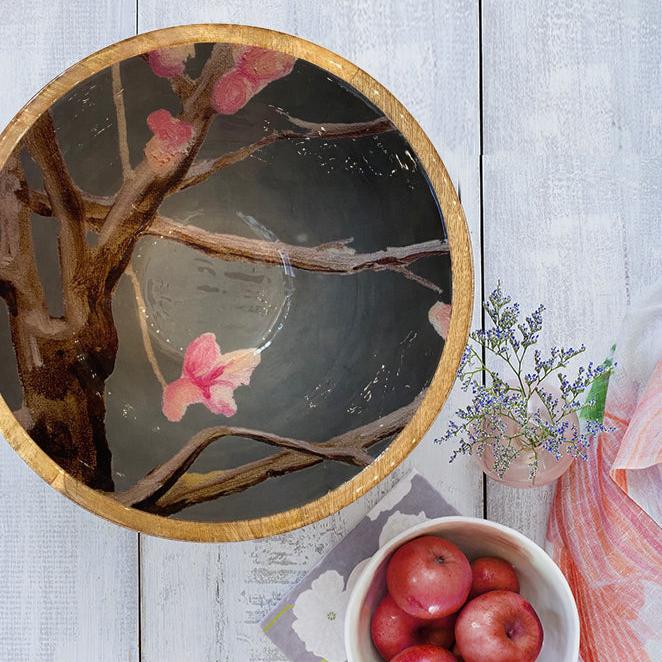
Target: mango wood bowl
(228,259)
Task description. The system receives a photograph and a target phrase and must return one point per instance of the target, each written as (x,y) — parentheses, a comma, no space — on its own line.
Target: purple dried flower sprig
(499,400)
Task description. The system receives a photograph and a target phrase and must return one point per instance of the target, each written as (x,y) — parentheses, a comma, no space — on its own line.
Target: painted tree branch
(98,207)
(202,170)
(14,228)
(183,86)
(192,488)
(127,172)
(328,259)
(408,273)
(140,196)
(162,478)
(142,323)
(332,258)
(68,207)
(120,113)
(20,284)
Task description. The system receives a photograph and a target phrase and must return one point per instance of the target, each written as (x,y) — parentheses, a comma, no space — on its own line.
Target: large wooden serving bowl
(229,259)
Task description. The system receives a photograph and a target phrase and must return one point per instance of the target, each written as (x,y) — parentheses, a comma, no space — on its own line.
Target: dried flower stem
(546,427)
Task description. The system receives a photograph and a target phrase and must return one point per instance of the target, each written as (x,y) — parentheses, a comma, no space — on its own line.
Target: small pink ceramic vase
(517,474)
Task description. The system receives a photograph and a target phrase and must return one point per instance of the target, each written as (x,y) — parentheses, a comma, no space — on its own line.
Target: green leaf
(597,396)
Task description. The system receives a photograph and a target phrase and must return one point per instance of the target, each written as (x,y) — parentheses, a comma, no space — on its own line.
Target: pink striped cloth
(604,527)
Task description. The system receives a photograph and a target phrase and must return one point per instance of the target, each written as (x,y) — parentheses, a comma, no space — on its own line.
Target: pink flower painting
(254,69)
(209,377)
(263,65)
(172,138)
(440,318)
(232,92)
(170,62)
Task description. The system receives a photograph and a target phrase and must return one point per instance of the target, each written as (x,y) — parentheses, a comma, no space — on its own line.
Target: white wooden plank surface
(571,103)
(204,602)
(69,586)
(571,76)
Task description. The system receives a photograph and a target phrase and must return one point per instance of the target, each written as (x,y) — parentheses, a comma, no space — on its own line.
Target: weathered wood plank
(571,103)
(571,76)
(204,602)
(69,589)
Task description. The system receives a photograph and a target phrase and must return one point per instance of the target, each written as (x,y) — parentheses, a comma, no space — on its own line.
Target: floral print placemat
(307,625)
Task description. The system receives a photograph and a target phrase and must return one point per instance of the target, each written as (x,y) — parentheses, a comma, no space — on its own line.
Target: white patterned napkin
(307,625)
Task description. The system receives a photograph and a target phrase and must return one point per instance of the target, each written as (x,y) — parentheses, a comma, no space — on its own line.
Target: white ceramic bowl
(541,583)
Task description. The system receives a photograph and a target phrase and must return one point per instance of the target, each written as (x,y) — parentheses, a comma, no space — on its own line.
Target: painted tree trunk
(63,374)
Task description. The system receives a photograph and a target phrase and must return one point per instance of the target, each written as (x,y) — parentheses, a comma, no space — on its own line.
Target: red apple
(429,577)
(492,574)
(439,632)
(499,626)
(393,630)
(425,653)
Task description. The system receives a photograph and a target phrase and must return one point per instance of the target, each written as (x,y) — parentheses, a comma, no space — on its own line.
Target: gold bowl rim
(462,289)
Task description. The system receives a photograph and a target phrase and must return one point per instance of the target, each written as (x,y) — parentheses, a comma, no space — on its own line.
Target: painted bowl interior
(197,326)
(541,583)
